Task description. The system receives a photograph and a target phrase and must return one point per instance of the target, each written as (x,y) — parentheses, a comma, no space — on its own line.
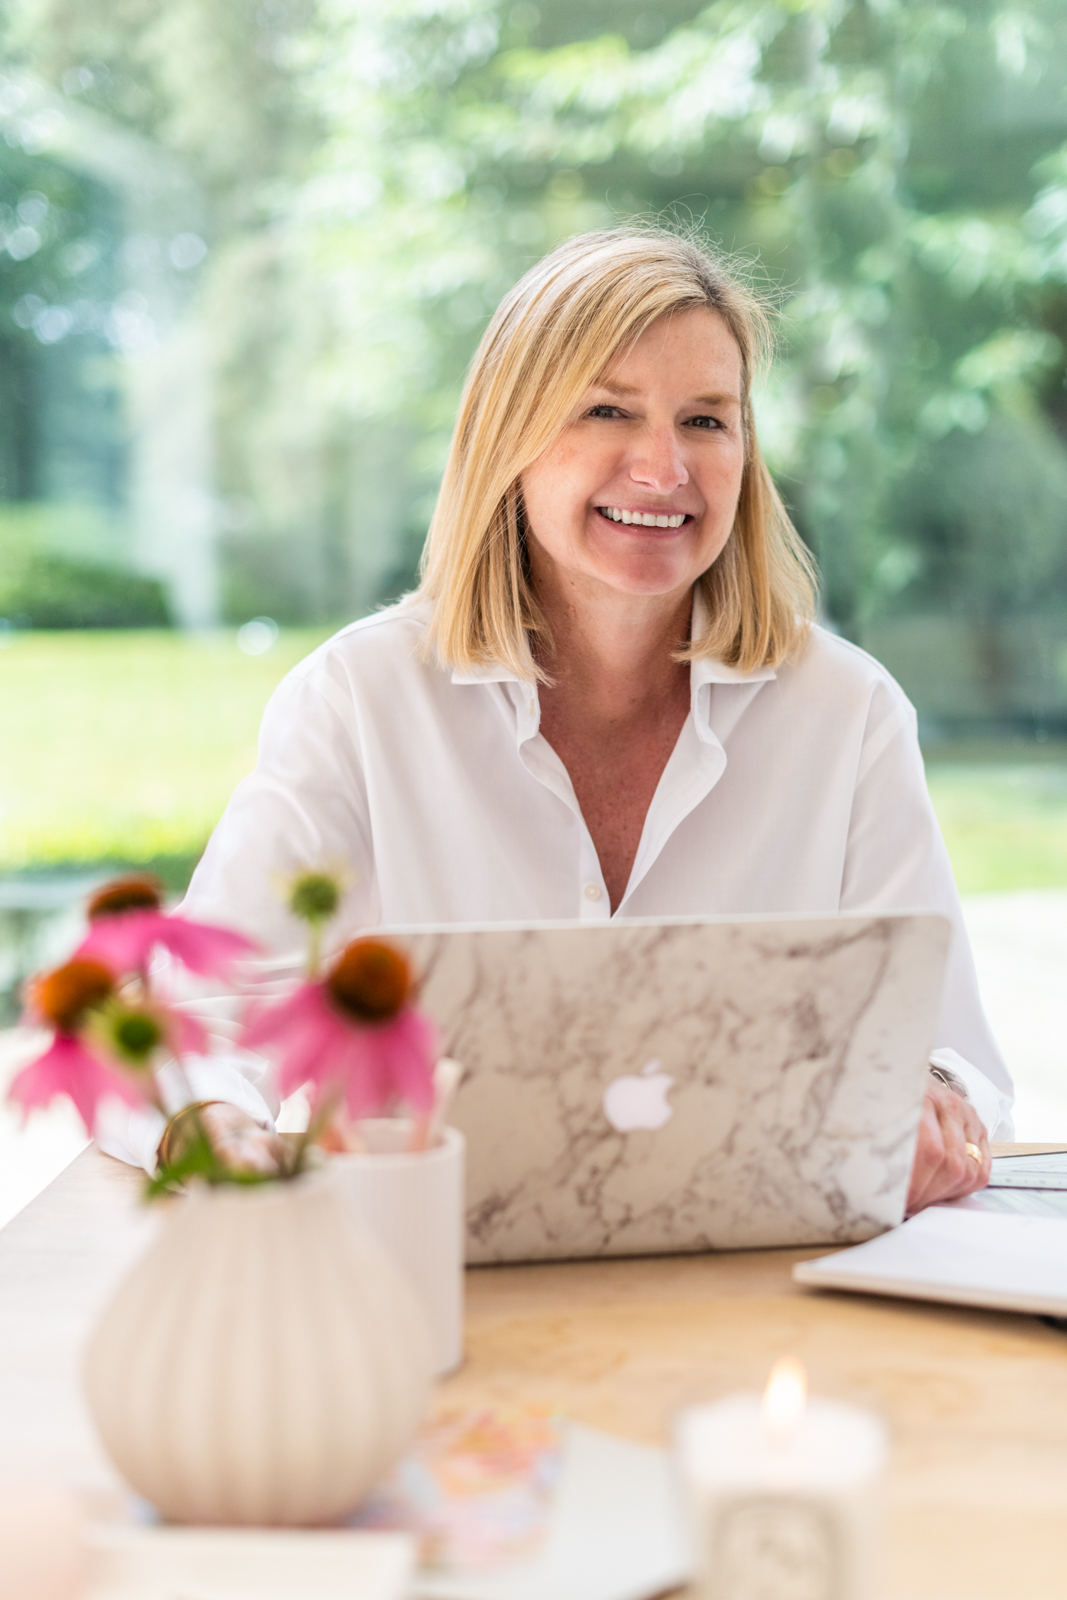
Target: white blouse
(796,790)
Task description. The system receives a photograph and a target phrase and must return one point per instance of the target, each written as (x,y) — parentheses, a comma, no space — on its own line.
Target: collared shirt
(436,795)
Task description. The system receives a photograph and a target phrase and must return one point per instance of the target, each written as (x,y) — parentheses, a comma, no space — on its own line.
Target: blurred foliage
(376,173)
(53,592)
(61,566)
(57,290)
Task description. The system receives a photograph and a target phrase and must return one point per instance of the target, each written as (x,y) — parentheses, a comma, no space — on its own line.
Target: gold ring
(974,1152)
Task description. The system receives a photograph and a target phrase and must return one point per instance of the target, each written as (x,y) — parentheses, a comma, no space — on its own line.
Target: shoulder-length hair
(552,337)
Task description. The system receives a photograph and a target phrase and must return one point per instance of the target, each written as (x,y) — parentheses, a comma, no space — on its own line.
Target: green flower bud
(132,1033)
(314,897)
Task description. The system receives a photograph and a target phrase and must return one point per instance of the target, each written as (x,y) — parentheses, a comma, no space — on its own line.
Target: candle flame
(784,1399)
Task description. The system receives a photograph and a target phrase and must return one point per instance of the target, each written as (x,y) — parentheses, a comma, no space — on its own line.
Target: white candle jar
(413,1203)
(782,1518)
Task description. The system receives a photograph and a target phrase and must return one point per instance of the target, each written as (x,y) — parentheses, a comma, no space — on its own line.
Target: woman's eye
(603,411)
(705,422)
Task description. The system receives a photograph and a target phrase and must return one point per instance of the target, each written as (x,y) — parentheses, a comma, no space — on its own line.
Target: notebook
(964,1254)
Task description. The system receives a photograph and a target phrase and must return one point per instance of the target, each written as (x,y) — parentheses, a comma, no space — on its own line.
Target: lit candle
(783,1494)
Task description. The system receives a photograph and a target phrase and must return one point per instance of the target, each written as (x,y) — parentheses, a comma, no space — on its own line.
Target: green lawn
(125,747)
(1005,822)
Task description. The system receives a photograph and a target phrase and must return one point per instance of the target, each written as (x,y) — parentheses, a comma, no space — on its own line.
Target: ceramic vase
(413,1203)
(264,1363)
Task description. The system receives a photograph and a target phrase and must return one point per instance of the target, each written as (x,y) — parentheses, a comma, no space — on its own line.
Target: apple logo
(639,1101)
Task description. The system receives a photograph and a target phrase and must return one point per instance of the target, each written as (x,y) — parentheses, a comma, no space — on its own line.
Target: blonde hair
(553,336)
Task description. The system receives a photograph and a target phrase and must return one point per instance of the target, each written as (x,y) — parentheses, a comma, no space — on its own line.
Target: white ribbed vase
(264,1363)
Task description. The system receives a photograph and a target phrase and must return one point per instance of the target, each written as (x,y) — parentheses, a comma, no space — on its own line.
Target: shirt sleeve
(992,1104)
(896,861)
(303,807)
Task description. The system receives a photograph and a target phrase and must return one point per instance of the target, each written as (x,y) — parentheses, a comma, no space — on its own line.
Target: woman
(607,697)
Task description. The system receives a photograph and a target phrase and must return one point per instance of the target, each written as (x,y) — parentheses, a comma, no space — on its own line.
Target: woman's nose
(657,462)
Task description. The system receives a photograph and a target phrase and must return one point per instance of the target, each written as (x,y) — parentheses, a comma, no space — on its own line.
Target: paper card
(616,1533)
(477,1489)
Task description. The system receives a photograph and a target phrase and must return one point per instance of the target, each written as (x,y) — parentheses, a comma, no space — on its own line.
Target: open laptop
(640,1087)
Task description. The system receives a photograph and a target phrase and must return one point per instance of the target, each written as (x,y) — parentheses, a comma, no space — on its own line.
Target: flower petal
(374,1068)
(201,946)
(393,1063)
(413,1049)
(303,1031)
(188,1035)
(67,1067)
(125,942)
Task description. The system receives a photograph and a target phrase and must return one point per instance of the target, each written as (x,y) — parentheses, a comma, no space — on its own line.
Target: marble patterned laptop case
(639,1087)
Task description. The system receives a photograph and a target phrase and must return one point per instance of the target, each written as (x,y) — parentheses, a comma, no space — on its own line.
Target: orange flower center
(370,981)
(138,892)
(64,996)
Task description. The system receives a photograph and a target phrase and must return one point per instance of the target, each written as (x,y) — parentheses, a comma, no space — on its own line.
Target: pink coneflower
(126,921)
(354,1035)
(66,1000)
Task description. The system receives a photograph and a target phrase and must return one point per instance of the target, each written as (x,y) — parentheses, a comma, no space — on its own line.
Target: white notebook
(963,1253)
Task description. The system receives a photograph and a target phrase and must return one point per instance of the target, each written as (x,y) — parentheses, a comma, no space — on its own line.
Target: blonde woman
(607,697)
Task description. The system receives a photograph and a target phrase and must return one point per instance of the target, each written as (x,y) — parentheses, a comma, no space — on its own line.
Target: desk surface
(976,1401)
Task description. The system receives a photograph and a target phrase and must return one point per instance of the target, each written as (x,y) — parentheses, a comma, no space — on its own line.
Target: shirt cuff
(992,1104)
(127,1134)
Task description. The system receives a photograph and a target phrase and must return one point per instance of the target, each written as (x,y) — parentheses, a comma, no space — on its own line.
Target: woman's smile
(646,519)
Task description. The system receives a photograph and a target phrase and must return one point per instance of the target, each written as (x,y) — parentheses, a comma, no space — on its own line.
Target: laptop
(638,1087)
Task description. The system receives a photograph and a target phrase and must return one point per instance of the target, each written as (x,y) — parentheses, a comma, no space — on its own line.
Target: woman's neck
(613,712)
(614,658)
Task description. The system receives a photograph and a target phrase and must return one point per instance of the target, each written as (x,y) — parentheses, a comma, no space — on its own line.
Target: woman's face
(639,493)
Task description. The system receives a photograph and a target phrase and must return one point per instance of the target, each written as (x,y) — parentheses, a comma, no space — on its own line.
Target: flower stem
(314,948)
(321,1117)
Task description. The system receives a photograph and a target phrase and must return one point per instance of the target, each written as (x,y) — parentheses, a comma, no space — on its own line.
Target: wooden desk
(976,1401)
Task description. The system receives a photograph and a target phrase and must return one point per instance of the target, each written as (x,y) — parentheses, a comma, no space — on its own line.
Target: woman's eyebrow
(624,390)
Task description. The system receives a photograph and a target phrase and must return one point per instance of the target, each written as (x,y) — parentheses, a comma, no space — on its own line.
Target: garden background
(246,252)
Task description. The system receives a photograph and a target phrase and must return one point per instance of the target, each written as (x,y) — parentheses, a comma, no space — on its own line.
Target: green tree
(379,172)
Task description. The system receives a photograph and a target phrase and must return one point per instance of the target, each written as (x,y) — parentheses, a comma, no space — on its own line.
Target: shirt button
(593,891)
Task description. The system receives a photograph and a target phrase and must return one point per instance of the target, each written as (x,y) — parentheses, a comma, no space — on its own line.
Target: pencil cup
(413,1201)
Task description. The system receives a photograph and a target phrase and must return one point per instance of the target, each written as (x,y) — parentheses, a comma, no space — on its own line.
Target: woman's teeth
(642,519)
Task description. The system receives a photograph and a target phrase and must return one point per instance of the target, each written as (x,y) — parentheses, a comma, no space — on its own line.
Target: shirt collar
(706,670)
(492,673)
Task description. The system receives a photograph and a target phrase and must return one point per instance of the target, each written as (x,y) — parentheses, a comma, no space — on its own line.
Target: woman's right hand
(944,1168)
(236,1139)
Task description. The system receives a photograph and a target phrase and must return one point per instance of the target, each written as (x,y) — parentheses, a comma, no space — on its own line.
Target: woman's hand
(235,1138)
(943,1168)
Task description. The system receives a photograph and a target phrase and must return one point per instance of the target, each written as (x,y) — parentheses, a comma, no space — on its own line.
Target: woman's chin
(646,578)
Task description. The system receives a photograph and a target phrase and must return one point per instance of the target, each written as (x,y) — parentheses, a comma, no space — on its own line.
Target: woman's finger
(977,1136)
(963,1133)
(929,1157)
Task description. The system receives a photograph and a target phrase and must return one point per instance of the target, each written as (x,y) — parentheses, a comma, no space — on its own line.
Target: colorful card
(477,1488)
